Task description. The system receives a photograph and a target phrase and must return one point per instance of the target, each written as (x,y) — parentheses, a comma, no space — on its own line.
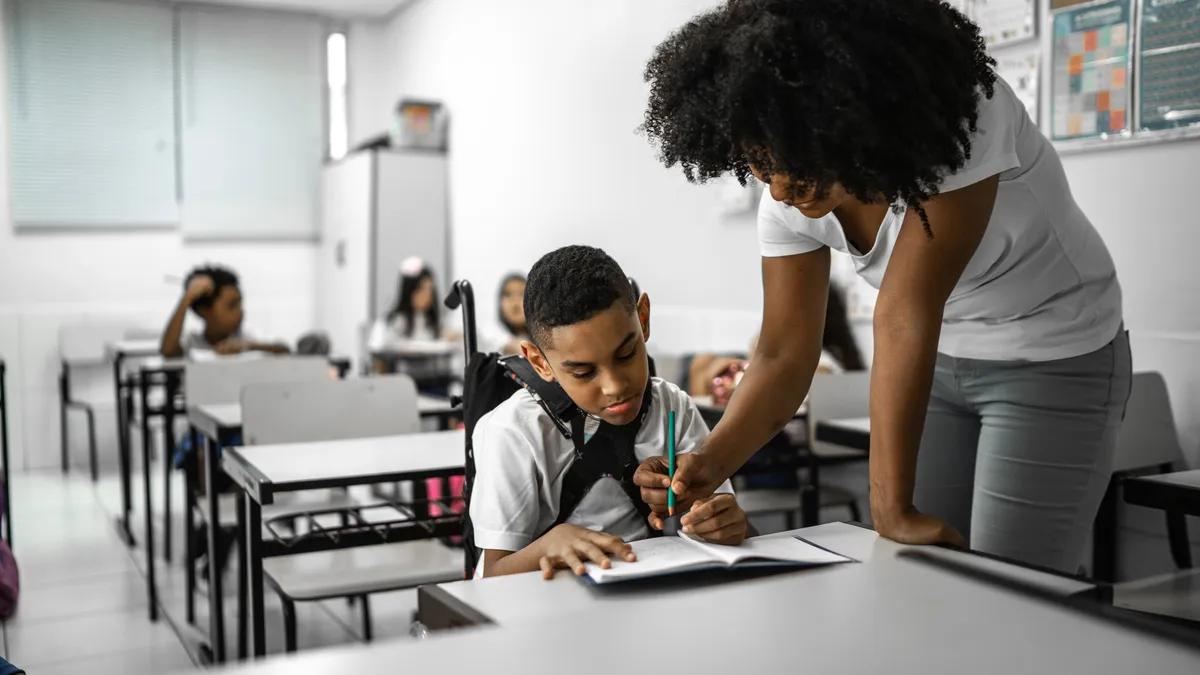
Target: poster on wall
(1169,67)
(1004,22)
(1090,70)
(1021,73)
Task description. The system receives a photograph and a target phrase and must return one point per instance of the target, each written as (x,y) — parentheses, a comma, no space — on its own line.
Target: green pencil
(671,460)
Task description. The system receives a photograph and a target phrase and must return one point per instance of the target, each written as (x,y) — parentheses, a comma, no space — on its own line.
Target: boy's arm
(273,348)
(199,286)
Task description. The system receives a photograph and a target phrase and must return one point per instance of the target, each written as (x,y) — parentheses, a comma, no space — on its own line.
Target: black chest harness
(609,453)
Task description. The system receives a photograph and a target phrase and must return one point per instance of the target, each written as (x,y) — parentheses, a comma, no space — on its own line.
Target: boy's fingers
(574,563)
(610,543)
(655,521)
(547,567)
(592,552)
(716,522)
(723,534)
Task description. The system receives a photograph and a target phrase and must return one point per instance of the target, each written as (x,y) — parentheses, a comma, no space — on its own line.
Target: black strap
(549,395)
(609,453)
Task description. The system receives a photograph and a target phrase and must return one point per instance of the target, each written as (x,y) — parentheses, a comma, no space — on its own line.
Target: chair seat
(363,570)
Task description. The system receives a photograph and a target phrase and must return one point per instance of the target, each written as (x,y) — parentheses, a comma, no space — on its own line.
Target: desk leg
(123,456)
(64,395)
(216,597)
(810,494)
(254,573)
(1104,536)
(4,458)
(168,464)
(151,591)
(189,526)
(243,602)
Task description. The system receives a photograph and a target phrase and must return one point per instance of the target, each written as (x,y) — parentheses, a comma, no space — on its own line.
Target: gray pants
(1017,455)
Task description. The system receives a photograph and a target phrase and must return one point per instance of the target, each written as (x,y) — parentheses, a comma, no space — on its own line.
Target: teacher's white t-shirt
(1041,286)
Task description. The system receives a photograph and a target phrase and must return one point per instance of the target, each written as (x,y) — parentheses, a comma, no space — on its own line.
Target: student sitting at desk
(213,294)
(588,333)
(507,337)
(413,326)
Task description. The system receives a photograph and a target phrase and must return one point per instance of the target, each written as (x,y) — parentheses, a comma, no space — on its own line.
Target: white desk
(879,616)
(852,432)
(517,599)
(262,471)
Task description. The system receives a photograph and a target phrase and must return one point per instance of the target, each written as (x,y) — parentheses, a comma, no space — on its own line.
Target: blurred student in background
(211,292)
(412,331)
(506,338)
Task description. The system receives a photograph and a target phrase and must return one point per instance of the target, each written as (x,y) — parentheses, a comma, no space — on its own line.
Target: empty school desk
(884,615)
(851,433)
(264,471)
(167,374)
(118,353)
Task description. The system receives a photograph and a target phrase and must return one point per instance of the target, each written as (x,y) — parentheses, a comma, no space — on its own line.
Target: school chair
(1147,444)
(335,410)
(82,346)
(215,382)
(841,396)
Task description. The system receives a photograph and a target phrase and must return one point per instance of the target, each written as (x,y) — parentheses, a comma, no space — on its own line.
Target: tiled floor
(83,606)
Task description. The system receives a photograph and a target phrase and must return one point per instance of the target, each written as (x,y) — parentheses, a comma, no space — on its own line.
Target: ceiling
(361,9)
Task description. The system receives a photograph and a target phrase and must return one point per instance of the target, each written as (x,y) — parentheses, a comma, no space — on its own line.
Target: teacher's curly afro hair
(878,95)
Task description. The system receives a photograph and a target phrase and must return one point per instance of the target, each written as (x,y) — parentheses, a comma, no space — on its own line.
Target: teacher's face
(794,193)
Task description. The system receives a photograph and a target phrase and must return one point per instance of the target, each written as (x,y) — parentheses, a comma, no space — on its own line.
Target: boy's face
(224,317)
(601,363)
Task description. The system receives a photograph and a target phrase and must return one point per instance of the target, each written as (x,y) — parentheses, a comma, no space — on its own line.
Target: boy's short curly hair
(221,277)
(571,285)
(880,96)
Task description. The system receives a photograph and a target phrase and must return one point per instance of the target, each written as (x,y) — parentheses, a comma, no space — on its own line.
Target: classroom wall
(48,279)
(545,98)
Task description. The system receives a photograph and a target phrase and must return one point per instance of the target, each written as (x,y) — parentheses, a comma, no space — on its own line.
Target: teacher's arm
(923,270)
(795,290)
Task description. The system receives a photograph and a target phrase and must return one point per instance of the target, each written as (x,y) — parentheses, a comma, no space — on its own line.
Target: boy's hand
(695,478)
(200,286)
(567,546)
(717,520)
(230,346)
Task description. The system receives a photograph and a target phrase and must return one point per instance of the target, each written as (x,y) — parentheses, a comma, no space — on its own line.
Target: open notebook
(661,556)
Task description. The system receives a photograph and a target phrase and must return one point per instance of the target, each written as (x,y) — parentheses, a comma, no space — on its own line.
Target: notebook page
(657,554)
(787,549)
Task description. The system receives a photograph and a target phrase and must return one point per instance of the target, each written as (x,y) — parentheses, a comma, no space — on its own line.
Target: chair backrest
(82,343)
(841,396)
(1148,437)
(295,412)
(221,380)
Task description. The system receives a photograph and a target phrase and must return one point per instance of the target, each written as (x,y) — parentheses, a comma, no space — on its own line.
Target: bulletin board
(1169,64)
(1091,73)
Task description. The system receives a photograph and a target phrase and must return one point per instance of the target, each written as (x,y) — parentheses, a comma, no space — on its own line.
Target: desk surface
(707,402)
(132,348)
(298,466)
(519,598)
(883,615)
(859,424)
(211,419)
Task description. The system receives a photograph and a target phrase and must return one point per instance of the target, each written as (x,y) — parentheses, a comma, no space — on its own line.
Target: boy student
(588,333)
(213,294)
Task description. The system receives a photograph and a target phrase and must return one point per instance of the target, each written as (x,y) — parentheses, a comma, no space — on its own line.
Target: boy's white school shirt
(521,458)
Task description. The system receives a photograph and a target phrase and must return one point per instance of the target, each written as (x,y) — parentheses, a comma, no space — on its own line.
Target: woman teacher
(880,129)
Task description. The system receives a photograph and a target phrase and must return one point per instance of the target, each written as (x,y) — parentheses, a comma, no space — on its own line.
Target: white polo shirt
(1041,285)
(521,459)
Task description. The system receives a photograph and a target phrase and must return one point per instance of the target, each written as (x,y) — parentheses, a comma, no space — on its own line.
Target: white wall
(48,279)
(545,98)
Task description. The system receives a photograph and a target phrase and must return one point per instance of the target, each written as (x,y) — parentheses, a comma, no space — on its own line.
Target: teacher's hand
(695,478)
(910,526)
